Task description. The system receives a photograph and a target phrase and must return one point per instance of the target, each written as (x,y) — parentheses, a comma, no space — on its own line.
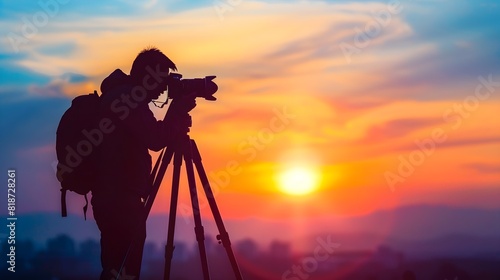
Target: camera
(202,87)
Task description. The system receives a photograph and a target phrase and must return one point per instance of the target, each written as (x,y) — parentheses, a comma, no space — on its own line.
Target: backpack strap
(64,211)
(85,207)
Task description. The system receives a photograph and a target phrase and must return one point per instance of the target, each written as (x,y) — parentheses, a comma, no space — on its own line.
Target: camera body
(201,87)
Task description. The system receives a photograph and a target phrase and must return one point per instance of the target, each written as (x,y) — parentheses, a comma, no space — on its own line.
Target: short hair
(150,56)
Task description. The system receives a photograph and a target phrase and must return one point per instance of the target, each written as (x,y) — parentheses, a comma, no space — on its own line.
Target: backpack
(77,148)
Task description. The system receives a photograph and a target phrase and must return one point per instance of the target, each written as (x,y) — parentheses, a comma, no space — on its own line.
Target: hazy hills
(416,230)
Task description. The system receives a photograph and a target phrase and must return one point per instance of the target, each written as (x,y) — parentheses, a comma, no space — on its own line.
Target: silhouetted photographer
(124,162)
(102,146)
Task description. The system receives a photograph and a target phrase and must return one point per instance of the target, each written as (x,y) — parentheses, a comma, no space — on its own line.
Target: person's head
(150,70)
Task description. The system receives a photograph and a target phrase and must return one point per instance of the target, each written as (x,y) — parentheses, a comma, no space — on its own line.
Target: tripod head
(178,113)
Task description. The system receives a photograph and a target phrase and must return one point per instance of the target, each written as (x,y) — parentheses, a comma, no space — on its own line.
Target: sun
(298,180)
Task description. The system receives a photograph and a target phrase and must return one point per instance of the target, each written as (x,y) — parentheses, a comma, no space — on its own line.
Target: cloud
(472,141)
(61,49)
(11,74)
(74,78)
(397,128)
(484,168)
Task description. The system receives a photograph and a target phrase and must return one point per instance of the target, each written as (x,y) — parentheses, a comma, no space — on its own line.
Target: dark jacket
(125,163)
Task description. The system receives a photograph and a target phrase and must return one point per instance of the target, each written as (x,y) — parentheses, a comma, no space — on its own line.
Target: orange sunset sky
(381,103)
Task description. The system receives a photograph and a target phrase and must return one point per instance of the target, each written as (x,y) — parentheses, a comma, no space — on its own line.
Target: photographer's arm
(153,133)
(158,134)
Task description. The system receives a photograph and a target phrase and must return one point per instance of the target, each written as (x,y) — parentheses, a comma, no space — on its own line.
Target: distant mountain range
(415,230)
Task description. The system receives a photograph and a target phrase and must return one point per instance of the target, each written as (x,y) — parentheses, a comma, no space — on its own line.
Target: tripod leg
(157,177)
(223,235)
(199,231)
(169,248)
(154,172)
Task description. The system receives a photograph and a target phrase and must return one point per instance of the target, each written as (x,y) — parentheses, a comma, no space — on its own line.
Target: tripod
(185,148)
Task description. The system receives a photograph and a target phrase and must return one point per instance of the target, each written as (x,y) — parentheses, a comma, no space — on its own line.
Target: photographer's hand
(183,104)
(177,120)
